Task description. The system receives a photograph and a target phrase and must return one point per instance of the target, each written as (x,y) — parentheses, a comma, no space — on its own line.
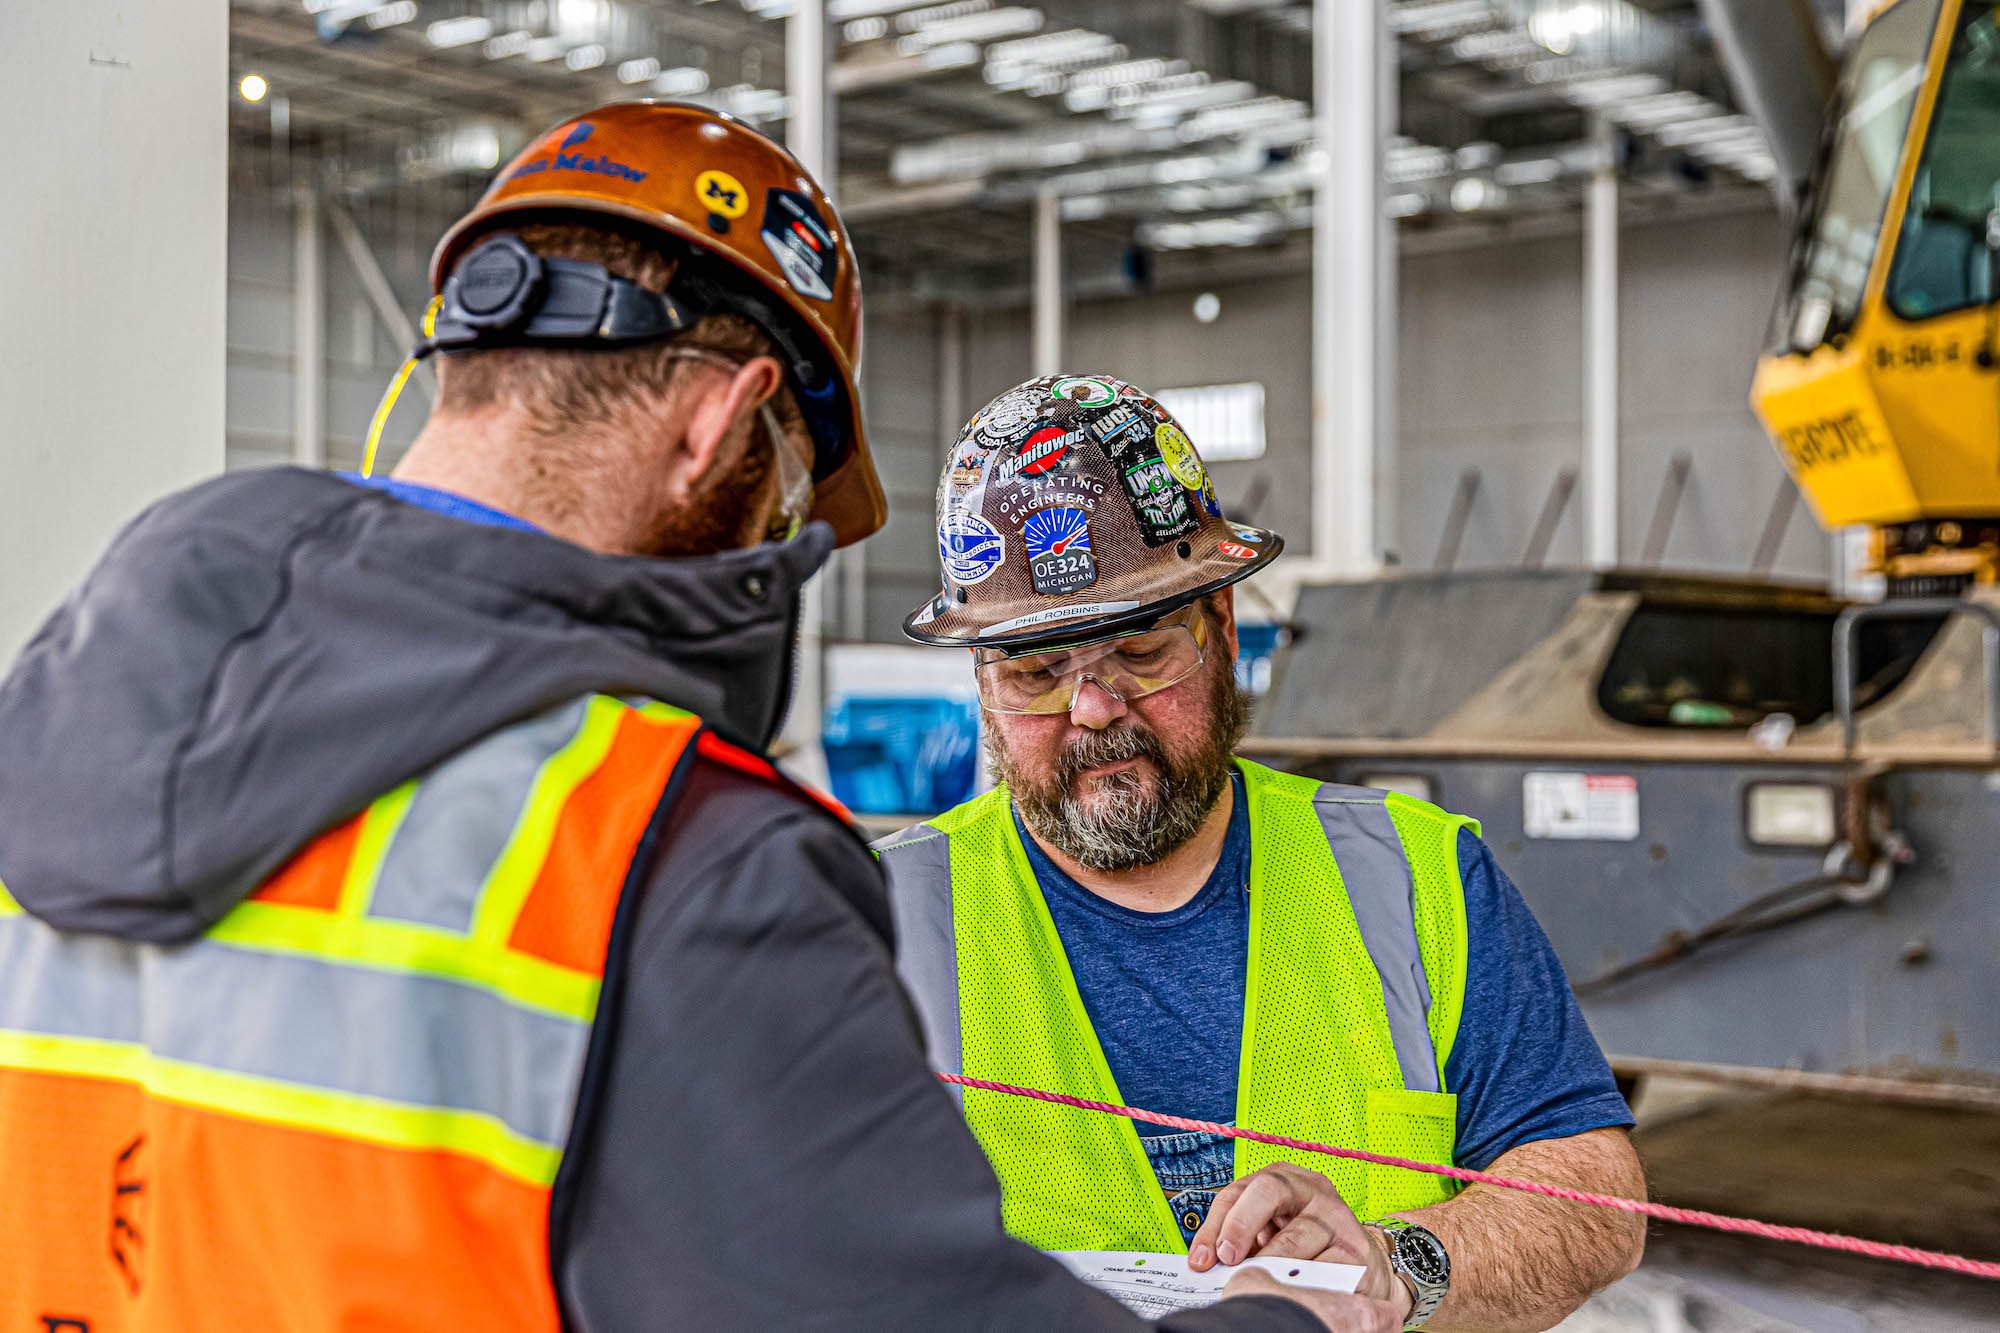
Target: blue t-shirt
(1164,991)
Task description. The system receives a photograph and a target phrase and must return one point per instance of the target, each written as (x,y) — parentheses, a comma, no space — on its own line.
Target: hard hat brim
(1203,576)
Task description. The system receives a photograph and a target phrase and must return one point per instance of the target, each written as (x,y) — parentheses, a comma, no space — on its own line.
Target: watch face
(1423,1256)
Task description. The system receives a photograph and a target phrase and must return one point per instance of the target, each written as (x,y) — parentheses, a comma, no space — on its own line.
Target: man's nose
(1095,706)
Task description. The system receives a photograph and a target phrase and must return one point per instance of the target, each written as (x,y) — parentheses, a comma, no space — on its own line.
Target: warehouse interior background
(1180,145)
(1436,285)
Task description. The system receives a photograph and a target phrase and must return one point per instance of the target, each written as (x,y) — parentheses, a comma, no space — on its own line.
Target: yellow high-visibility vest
(1354,982)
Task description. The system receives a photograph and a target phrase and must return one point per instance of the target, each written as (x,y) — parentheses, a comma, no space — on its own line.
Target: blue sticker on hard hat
(1058,543)
(1208,500)
(969,547)
(799,239)
(1243,534)
(1121,423)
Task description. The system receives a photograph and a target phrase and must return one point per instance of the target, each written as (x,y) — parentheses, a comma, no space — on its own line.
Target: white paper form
(1160,1284)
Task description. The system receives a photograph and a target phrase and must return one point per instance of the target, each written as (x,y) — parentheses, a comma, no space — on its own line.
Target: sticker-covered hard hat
(1073,506)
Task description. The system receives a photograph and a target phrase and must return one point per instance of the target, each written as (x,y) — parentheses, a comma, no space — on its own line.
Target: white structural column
(1600,356)
(809,134)
(952,408)
(1048,284)
(1353,288)
(112,249)
(308,330)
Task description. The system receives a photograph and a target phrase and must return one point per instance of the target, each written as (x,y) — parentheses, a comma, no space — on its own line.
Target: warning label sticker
(1600,806)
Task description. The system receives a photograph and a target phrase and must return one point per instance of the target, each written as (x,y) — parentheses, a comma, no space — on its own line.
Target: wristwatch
(1419,1258)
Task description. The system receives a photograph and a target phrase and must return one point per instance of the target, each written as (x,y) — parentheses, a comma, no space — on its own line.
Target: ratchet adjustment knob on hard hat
(496,284)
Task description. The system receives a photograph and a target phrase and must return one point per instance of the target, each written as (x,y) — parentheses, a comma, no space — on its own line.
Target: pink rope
(1825,1240)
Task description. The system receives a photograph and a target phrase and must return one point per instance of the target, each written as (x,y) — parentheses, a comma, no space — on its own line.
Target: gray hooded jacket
(762,1146)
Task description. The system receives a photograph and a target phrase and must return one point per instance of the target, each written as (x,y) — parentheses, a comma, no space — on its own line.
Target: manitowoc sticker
(969,547)
(1041,452)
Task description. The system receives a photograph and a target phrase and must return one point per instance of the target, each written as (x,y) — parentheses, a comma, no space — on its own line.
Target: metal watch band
(1414,1251)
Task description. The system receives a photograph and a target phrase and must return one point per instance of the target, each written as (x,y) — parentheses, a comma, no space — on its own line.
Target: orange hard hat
(774,250)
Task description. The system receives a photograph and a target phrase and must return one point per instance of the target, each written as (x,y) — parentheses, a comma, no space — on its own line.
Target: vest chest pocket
(1422,1126)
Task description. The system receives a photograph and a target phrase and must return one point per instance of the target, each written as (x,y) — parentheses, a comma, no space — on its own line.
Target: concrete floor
(1927,1178)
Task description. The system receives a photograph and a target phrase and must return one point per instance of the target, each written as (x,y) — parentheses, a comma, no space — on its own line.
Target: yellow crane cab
(1881,390)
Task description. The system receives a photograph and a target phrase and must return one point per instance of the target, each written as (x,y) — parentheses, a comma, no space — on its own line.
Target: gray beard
(1132,820)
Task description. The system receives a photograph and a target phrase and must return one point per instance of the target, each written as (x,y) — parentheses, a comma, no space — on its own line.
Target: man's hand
(1339,1311)
(1287,1212)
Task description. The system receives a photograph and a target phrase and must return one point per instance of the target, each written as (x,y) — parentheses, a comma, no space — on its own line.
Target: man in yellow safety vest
(1135,915)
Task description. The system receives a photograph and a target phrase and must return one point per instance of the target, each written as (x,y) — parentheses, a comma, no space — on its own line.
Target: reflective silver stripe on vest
(917,862)
(1376,872)
(415,1040)
(460,821)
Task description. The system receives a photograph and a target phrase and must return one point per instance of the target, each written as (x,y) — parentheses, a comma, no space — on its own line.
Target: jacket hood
(256,659)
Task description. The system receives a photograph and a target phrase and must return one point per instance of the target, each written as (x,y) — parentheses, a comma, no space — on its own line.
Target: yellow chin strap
(395,391)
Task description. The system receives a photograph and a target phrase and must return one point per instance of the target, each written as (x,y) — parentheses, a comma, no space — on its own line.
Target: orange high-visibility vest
(346,1105)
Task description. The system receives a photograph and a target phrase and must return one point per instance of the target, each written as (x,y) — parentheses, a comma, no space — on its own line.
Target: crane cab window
(1872,115)
(1950,240)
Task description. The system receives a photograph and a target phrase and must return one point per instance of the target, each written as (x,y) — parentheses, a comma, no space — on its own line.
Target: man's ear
(722,404)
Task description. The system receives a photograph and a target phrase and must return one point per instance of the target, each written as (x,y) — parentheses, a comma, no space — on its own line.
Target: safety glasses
(1128,667)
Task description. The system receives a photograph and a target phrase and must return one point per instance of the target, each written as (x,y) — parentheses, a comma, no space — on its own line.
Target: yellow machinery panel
(1883,393)
(1900,423)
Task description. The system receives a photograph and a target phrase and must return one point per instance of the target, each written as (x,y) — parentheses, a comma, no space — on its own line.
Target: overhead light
(389,16)
(586,57)
(974,27)
(865,30)
(508,44)
(642,70)
(854,9)
(1429,20)
(681,81)
(544,49)
(1207,307)
(580,21)
(1535,171)
(952,55)
(1406,205)
(1560,27)
(253,87)
(1471,194)
(1242,229)
(447,33)
(474,147)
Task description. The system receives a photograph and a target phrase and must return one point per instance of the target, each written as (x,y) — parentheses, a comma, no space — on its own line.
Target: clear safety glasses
(1128,667)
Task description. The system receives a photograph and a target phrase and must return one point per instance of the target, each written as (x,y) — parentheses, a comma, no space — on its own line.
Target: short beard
(721,516)
(1136,820)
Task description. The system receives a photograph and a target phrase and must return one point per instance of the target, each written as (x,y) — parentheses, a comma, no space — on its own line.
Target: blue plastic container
(902,755)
